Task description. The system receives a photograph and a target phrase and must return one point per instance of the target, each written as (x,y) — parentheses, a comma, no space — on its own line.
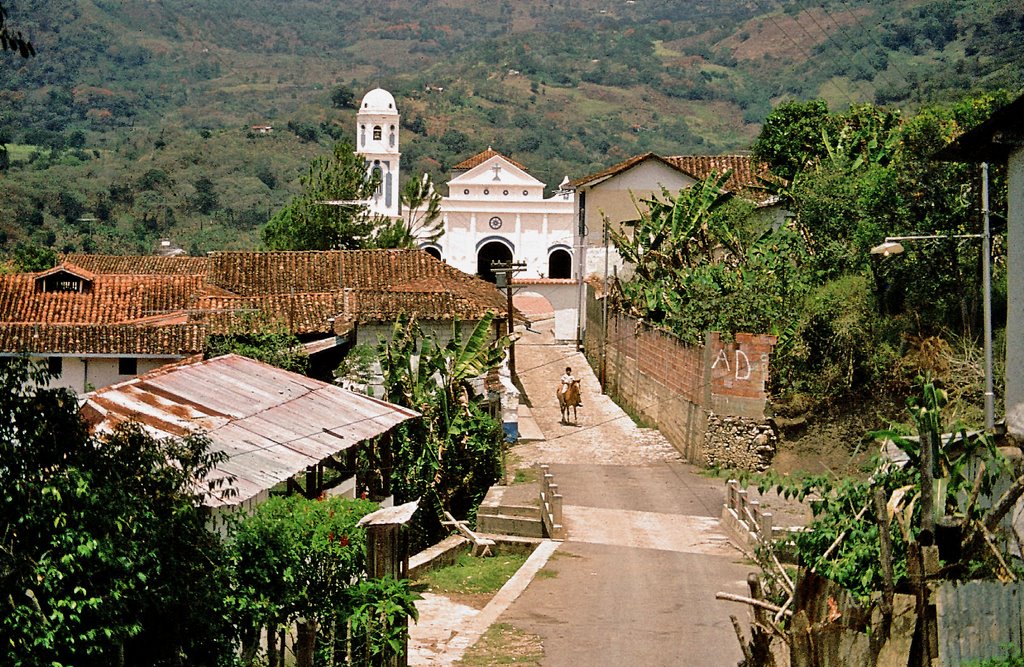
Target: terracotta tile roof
(384,306)
(126,340)
(480,158)
(138,264)
(303,313)
(744,181)
(411,271)
(110,299)
(312,292)
(68,267)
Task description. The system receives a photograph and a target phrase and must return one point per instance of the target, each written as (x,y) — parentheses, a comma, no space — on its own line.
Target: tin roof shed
(272,424)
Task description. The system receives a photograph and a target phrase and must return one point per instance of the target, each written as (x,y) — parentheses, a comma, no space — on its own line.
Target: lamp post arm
(926,237)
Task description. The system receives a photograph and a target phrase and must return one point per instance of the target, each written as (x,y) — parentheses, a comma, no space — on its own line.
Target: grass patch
(526,476)
(504,644)
(21,152)
(470,575)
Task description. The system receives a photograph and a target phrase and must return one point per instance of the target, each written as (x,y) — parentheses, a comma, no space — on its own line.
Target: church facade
(494,211)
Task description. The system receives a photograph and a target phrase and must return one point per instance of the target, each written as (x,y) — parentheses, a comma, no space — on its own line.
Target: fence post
(766,526)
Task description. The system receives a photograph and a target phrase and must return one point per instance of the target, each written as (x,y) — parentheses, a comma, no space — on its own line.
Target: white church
(494,211)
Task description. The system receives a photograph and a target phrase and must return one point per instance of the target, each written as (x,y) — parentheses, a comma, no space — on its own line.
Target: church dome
(378,100)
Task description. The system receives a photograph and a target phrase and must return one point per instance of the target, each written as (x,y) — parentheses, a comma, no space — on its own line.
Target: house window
(127,366)
(55,365)
(377,132)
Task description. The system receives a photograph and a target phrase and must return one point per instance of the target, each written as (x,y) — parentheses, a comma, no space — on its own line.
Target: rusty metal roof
(273,424)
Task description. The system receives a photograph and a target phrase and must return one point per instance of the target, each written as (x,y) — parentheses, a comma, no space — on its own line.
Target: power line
(768,15)
(871,36)
(842,48)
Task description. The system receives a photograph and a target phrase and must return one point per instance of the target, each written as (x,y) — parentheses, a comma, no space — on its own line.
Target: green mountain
(130,104)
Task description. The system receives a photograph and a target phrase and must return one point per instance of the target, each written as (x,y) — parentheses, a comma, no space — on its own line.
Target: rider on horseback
(567,380)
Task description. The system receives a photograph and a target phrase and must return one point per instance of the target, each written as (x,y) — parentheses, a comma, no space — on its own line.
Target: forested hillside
(136,112)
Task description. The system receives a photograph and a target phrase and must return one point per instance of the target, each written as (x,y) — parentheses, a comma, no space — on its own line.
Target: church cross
(496,168)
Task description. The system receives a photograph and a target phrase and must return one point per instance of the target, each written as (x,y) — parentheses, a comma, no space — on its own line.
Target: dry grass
(504,644)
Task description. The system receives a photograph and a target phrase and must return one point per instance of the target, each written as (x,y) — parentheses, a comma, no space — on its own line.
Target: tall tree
(421,222)
(451,456)
(331,212)
(12,40)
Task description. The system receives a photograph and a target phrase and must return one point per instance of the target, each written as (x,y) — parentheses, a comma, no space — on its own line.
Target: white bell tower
(377,141)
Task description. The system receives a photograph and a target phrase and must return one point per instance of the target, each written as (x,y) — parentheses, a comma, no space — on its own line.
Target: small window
(505,192)
(55,365)
(377,132)
(128,366)
(466,191)
(486,191)
(526,193)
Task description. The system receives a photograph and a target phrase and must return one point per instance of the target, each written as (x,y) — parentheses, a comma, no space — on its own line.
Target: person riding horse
(568,394)
(566,380)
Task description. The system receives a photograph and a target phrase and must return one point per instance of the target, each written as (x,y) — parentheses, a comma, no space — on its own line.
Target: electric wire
(842,48)
(807,55)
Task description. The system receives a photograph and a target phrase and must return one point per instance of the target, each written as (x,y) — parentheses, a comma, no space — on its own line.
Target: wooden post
(387,554)
(766,526)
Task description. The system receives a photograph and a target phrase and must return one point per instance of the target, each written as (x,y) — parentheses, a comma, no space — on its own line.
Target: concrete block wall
(708,401)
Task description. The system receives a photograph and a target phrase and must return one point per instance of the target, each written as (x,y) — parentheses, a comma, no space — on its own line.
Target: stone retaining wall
(708,400)
(739,442)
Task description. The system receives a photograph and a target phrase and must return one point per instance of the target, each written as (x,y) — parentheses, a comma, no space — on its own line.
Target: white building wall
(85,374)
(616,200)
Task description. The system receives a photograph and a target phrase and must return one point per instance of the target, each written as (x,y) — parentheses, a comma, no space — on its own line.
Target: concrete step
(504,524)
(527,511)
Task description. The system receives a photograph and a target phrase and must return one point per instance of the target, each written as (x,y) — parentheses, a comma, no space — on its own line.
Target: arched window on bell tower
(378,176)
(378,132)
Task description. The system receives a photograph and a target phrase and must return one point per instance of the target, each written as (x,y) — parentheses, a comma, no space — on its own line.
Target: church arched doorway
(559,263)
(492,251)
(432,250)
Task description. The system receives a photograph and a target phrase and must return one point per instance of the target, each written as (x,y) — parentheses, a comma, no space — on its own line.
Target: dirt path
(634,583)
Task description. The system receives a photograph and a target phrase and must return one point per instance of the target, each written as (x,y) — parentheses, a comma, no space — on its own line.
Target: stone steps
(511,510)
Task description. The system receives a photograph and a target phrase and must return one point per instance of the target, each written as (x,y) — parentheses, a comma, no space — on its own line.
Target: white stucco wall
(564,300)
(616,199)
(85,374)
(531,230)
(1015,296)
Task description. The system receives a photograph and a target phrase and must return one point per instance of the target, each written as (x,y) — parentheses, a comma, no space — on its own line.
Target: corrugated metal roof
(273,424)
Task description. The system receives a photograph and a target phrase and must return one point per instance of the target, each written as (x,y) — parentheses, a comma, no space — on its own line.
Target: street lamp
(892,246)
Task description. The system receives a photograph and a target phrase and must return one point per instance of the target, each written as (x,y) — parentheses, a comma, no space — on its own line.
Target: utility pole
(504,272)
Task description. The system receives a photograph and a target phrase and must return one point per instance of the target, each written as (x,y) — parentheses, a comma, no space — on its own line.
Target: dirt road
(635,581)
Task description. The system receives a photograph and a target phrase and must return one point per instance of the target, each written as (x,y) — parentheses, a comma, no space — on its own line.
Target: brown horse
(569,399)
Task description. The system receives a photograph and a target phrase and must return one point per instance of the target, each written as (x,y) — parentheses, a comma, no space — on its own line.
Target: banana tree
(452,455)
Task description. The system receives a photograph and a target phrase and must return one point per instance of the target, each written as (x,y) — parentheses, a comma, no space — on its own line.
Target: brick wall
(695,394)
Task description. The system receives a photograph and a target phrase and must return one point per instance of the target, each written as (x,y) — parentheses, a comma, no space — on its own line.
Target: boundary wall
(708,400)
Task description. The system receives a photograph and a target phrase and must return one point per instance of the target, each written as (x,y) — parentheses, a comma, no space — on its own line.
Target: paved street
(635,580)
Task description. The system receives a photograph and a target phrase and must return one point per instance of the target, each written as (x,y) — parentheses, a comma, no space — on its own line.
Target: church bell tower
(377,129)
